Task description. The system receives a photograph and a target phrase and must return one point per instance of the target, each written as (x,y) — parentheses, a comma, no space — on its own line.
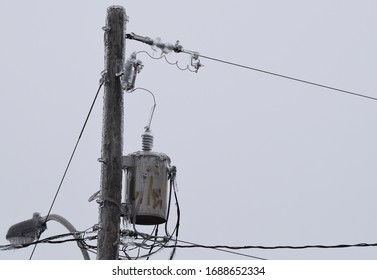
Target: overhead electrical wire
(193,245)
(223,248)
(163,244)
(177,48)
(155,230)
(154,104)
(176,230)
(70,159)
(50,239)
(283,76)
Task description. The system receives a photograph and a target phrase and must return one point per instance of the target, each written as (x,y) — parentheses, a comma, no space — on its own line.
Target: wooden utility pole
(112,136)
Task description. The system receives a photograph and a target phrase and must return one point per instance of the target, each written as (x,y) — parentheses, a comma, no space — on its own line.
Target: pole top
(117,10)
(116,7)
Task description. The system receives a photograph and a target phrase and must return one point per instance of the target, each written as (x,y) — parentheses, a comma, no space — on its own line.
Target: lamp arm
(63,221)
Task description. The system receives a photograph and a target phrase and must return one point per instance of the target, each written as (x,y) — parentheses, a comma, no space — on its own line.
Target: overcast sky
(261,160)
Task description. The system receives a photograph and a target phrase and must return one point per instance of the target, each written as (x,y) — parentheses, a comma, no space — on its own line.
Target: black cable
(156,235)
(224,247)
(50,239)
(149,237)
(285,77)
(172,182)
(6,247)
(193,245)
(70,160)
(168,212)
(62,241)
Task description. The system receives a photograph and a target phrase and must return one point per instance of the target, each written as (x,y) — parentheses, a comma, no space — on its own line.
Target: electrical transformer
(147,188)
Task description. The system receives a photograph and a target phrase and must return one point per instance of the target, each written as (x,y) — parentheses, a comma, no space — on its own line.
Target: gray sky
(261,160)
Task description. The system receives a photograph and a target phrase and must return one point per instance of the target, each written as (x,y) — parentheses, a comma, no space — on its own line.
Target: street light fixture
(30,230)
(27,231)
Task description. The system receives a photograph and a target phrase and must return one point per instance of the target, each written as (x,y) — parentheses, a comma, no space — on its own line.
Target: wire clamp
(97,227)
(177,47)
(195,61)
(127,232)
(172,172)
(100,202)
(106,28)
(101,160)
(103,78)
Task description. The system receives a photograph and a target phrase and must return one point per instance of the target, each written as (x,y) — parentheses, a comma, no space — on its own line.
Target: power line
(193,245)
(70,159)
(222,248)
(51,240)
(166,48)
(283,76)
(218,248)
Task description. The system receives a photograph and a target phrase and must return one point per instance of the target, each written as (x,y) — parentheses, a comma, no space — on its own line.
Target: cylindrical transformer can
(147,187)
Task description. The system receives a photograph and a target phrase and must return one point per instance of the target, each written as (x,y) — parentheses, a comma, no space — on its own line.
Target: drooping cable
(50,239)
(168,210)
(153,107)
(70,159)
(172,182)
(160,245)
(193,245)
(152,247)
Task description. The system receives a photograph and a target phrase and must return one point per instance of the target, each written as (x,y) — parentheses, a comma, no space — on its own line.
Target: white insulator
(147,141)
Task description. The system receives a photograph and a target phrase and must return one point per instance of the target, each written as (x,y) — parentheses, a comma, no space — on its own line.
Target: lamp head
(27,231)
